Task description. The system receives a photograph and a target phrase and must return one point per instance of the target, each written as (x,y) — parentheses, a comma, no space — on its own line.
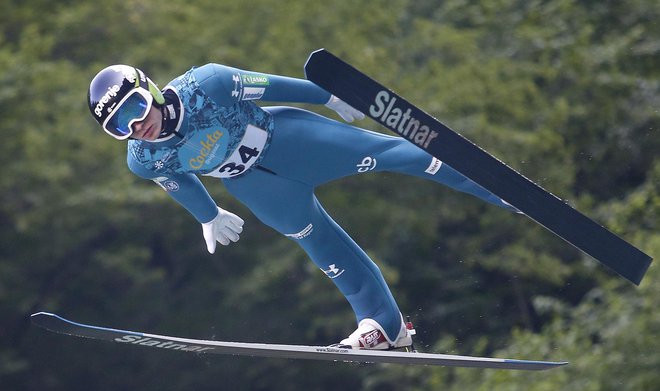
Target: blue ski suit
(272,159)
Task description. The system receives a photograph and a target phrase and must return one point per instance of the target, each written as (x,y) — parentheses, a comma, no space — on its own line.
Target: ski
(424,131)
(57,324)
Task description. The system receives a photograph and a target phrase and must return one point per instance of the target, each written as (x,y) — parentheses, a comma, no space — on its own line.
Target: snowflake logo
(159,164)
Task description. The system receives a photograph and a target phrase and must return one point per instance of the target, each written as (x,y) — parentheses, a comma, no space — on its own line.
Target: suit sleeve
(186,189)
(232,85)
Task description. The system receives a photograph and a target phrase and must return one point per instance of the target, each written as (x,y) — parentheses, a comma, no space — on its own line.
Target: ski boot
(370,335)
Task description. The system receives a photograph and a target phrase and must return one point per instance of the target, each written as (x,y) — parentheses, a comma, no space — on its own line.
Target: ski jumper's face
(149,128)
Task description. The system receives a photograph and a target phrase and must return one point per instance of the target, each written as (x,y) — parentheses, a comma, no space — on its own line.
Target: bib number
(244,156)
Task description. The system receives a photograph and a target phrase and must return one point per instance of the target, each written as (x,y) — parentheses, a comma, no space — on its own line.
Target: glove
(342,108)
(224,228)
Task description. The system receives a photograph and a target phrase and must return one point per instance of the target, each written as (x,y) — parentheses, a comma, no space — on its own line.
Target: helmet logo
(112,92)
(129,73)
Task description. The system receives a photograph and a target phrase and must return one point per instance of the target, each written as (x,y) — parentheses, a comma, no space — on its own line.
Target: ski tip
(37,317)
(41,314)
(309,64)
(318,51)
(315,60)
(44,319)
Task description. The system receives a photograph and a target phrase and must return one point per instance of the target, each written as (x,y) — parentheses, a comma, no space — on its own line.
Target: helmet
(119,96)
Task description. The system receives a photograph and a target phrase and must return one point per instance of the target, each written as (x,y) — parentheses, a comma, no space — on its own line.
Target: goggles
(134,107)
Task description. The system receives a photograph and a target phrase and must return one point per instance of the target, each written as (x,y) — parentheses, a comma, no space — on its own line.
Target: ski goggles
(133,108)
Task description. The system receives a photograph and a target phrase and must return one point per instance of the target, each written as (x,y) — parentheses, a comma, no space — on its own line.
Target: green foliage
(566,92)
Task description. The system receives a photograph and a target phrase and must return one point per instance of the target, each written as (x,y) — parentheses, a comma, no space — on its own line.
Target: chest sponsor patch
(204,150)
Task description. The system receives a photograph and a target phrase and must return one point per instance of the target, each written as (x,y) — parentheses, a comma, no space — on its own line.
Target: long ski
(57,324)
(418,127)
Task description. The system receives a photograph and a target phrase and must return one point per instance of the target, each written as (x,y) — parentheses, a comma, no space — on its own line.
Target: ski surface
(392,111)
(57,324)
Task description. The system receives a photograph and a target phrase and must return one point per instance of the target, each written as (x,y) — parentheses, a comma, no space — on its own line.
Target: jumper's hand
(224,228)
(342,108)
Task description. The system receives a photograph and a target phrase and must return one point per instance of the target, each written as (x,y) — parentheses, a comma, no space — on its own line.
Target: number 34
(246,154)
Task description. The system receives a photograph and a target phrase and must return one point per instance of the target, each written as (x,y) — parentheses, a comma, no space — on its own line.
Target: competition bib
(244,156)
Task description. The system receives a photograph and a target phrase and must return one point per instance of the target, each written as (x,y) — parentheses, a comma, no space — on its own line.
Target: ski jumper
(272,159)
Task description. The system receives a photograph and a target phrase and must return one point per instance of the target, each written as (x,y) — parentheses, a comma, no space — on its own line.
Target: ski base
(57,324)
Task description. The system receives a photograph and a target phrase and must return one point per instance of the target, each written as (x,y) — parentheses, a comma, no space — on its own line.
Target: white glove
(224,228)
(342,108)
